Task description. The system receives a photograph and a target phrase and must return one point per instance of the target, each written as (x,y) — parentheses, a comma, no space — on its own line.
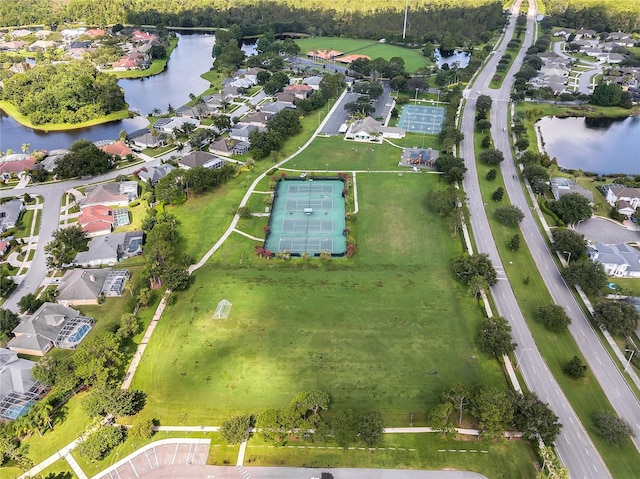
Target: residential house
(139,36)
(243,133)
(564,186)
(53,156)
(154,174)
(619,260)
(17,166)
(562,33)
(275,107)
(70,34)
(201,158)
(241,83)
(614,58)
(18,389)
(313,82)
(198,111)
(96,220)
(168,125)
(10,214)
(41,45)
(109,249)
(259,119)
(20,33)
(117,149)
(283,97)
(619,36)
(5,246)
(79,45)
(127,62)
(95,32)
(230,146)
(145,139)
(298,90)
(42,34)
(585,33)
(111,194)
(86,286)
(625,200)
(370,130)
(13,46)
(52,325)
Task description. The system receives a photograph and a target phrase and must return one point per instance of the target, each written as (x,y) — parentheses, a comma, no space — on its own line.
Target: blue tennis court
(422,119)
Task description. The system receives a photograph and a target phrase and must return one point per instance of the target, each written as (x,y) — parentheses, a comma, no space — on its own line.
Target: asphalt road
(221,472)
(52,195)
(573,444)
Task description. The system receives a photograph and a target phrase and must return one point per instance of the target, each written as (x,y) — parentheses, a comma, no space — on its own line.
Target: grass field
(413,59)
(387,330)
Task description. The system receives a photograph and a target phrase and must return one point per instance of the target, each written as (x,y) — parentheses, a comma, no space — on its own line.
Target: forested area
(63,93)
(598,15)
(428,19)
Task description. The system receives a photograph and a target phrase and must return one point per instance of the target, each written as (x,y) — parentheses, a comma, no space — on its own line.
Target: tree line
(462,20)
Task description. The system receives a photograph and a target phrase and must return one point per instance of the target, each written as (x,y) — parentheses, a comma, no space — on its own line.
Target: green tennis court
(308,216)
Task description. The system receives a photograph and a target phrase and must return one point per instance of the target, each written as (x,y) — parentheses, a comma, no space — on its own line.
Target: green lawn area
(23,229)
(157,66)
(586,396)
(413,59)
(386,330)
(422,451)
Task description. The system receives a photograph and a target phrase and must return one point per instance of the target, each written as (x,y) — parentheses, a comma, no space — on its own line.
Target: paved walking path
(247,235)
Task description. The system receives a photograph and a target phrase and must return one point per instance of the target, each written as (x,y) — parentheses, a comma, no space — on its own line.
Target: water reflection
(596,145)
(459,57)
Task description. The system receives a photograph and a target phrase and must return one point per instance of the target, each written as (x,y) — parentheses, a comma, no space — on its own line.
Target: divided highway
(573,444)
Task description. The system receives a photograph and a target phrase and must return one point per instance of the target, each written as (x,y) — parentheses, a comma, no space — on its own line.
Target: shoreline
(12,112)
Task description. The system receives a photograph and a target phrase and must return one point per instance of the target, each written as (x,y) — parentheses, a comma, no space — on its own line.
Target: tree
(613,428)
(576,368)
(522,143)
(128,326)
(84,158)
(494,336)
(98,359)
(619,317)
(312,401)
(483,125)
(29,303)
(477,284)
(175,277)
(268,425)
(509,215)
(452,168)
(486,143)
(492,174)
(142,428)
(498,194)
(158,52)
(514,242)
(237,429)
(113,401)
(100,441)
(492,157)
(344,426)
(8,320)
(587,274)
(569,241)
(64,246)
(494,411)
(534,418)
(607,94)
(370,428)
(7,285)
(572,208)
(484,103)
(553,317)
(466,267)
(458,395)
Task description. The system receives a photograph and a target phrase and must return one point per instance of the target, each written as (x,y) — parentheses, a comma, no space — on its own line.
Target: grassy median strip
(586,396)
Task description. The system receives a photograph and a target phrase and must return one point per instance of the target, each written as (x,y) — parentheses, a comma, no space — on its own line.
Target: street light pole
(416,98)
(632,351)
(519,357)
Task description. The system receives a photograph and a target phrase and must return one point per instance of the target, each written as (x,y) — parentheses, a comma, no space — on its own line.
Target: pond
(603,146)
(188,61)
(459,57)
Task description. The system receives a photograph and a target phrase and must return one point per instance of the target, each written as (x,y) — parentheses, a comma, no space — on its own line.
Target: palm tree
(41,415)
(25,147)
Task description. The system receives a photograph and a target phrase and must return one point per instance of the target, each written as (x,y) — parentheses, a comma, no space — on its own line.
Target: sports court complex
(308,216)
(422,119)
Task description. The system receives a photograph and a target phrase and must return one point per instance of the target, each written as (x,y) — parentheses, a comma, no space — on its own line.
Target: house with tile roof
(298,90)
(203,159)
(118,148)
(96,220)
(51,326)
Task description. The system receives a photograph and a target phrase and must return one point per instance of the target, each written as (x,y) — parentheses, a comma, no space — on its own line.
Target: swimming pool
(80,333)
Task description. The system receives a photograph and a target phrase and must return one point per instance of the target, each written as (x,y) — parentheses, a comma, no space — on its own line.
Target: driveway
(601,230)
(339,116)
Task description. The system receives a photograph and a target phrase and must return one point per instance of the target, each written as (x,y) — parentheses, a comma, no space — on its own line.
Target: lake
(603,146)
(459,57)
(189,60)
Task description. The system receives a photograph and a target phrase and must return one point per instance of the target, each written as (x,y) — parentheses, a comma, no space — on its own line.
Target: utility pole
(404,28)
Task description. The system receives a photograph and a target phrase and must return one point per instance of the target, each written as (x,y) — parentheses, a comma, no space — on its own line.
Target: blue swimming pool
(80,333)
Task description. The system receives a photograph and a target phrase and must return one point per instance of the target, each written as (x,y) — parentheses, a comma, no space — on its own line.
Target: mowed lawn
(413,59)
(386,330)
